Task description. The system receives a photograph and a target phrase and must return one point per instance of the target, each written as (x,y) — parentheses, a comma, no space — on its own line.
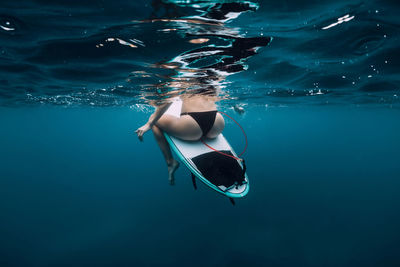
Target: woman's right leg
(184,128)
(166,150)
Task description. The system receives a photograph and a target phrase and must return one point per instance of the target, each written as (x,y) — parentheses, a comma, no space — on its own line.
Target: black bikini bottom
(204,119)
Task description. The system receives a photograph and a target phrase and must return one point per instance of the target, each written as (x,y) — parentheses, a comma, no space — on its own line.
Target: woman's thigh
(185,127)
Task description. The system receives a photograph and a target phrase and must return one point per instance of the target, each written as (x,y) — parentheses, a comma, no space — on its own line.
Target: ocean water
(315,85)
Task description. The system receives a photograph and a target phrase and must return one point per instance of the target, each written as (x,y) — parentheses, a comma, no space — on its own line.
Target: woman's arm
(160,110)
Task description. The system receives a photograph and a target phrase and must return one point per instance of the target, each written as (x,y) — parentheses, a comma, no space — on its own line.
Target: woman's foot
(171,171)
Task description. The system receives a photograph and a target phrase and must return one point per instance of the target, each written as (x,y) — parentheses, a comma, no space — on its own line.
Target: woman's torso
(198,103)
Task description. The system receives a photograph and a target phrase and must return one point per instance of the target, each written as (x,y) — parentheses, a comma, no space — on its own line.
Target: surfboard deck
(221,173)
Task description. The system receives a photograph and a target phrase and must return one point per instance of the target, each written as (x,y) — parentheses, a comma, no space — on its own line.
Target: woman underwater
(199,118)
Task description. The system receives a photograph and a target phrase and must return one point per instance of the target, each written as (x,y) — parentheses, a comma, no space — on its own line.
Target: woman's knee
(156,131)
(155,128)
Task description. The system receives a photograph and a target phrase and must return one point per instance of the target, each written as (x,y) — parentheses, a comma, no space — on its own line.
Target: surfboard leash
(231,156)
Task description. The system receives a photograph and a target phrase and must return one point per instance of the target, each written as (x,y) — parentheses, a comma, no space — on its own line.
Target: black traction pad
(219,169)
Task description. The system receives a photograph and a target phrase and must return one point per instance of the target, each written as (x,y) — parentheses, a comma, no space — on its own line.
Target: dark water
(78,188)
(315,84)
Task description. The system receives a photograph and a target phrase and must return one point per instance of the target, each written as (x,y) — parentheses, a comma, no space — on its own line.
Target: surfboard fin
(244,168)
(194,181)
(232,201)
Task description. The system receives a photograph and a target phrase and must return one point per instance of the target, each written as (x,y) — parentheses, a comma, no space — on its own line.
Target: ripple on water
(103,54)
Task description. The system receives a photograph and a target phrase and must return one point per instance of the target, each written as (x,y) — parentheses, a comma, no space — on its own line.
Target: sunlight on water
(320,54)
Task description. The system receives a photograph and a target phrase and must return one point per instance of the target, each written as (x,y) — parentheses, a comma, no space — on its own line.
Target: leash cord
(244,134)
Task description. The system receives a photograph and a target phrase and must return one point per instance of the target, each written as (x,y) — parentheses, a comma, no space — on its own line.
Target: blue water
(319,104)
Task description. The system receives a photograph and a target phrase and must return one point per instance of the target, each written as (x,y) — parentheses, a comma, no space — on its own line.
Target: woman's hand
(140,132)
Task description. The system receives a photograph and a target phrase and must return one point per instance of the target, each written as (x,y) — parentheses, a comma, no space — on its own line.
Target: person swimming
(199,118)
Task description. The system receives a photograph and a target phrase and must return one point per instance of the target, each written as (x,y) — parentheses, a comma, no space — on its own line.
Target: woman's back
(198,103)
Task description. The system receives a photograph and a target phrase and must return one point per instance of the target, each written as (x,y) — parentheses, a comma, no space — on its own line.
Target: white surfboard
(220,172)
